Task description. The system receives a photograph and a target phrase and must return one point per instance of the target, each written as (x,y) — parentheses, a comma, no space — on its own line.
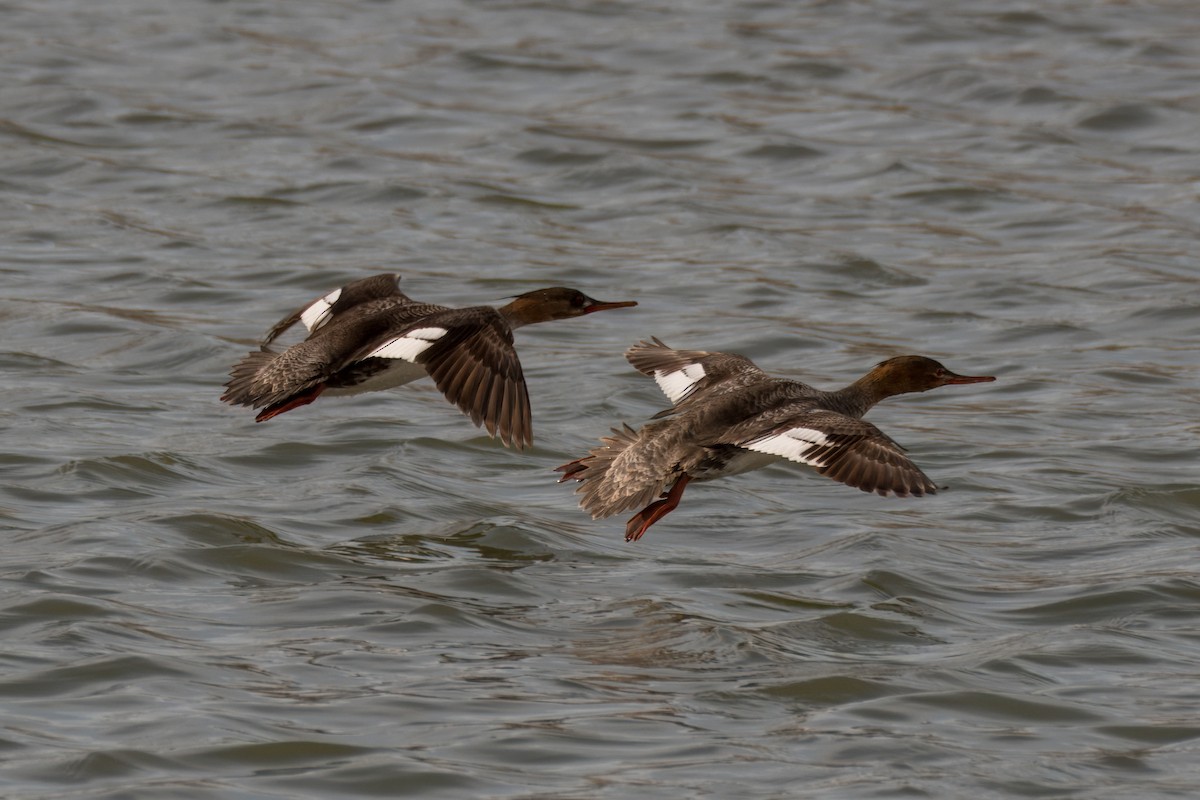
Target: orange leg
(640,522)
(295,401)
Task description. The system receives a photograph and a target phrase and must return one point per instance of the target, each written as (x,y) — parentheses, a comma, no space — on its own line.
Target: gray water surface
(368,597)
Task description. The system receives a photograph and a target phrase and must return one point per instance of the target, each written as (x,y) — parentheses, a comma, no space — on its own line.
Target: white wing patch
(408,346)
(680,383)
(792,444)
(317,314)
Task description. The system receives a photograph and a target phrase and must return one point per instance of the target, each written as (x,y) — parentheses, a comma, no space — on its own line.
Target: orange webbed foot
(295,401)
(640,522)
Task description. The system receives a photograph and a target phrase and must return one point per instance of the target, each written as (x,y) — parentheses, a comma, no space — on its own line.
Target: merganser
(730,417)
(368,336)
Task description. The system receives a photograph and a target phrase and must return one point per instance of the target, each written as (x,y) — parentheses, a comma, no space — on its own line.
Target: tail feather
(266,378)
(242,388)
(622,473)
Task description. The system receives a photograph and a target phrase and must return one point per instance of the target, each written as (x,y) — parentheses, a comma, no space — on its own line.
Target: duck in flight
(730,417)
(368,336)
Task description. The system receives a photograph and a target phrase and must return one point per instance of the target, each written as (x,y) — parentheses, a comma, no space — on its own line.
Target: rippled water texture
(368,597)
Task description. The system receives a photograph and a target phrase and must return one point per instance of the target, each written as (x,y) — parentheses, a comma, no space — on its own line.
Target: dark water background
(368,598)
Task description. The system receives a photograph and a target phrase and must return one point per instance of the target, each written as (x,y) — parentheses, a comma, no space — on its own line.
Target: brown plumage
(368,336)
(731,417)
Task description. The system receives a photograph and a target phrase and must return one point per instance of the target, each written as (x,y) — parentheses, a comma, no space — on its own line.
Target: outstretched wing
(688,375)
(320,311)
(846,449)
(469,354)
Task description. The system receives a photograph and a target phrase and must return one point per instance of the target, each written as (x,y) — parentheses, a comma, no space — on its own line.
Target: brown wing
(689,375)
(846,449)
(469,354)
(325,308)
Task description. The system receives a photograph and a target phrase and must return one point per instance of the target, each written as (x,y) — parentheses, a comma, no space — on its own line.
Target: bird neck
(857,399)
(521,312)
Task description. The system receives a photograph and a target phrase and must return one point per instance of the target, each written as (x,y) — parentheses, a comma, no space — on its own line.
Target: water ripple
(369,597)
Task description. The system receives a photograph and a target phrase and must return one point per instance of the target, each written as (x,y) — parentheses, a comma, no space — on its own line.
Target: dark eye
(577,300)
(939,372)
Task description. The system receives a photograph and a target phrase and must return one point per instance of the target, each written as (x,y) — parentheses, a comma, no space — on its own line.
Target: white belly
(742,461)
(398,374)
